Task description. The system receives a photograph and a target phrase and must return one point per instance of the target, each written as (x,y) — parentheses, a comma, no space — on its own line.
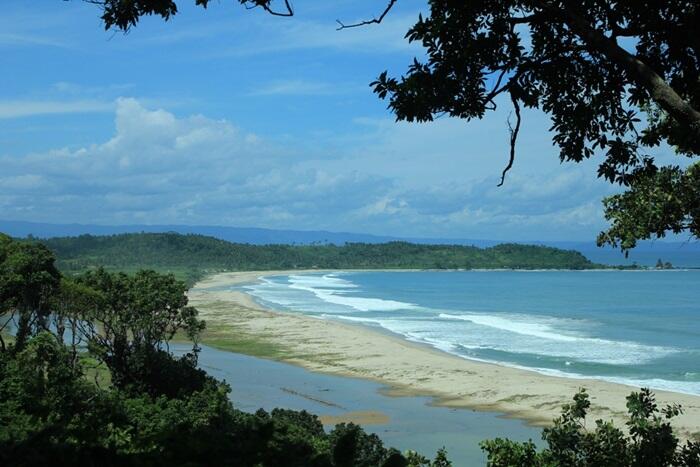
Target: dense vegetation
(141,405)
(197,253)
(155,409)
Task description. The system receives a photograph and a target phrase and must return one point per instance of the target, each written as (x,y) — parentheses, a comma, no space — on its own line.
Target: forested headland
(191,255)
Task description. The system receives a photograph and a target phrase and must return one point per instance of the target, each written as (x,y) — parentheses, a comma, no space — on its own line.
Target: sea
(640,328)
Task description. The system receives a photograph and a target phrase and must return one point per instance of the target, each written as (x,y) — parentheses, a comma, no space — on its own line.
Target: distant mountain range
(686,254)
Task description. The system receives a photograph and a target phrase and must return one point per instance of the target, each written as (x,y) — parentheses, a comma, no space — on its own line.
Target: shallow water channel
(401,422)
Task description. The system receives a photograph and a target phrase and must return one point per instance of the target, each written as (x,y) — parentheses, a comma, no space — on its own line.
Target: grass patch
(232,340)
(517,397)
(247,345)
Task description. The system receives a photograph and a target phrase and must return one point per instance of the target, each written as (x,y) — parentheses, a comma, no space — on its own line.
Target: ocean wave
(517,326)
(331,289)
(553,337)
(325,281)
(553,345)
(515,335)
(684,387)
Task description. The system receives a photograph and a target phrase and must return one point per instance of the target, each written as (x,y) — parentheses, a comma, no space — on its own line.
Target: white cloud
(162,168)
(296,88)
(12,39)
(27,108)
(171,169)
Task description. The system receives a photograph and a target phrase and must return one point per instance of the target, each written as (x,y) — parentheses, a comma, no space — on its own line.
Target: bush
(650,440)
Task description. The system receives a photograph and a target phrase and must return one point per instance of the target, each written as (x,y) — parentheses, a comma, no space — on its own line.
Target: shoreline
(237,322)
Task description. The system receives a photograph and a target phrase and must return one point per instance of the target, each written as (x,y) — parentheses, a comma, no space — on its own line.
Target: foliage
(592,66)
(48,412)
(649,442)
(415,459)
(160,410)
(665,200)
(138,315)
(123,14)
(28,279)
(170,250)
(70,303)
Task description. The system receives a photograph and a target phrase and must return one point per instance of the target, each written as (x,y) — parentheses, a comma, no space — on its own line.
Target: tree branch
(265,5)
(289,12)
(637,71)
(513,137)
(378,20)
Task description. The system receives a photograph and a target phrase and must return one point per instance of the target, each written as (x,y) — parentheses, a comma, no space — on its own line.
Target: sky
(233,117)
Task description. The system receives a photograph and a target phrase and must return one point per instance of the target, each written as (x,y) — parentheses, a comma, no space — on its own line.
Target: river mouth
(401,422)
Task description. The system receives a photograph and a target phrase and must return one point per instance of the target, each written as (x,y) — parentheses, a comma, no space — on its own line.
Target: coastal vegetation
(191,255)
(88,379)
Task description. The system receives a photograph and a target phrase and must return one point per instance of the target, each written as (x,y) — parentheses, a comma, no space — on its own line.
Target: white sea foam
(552,337)
(497,337)
(518,326)
(332,289)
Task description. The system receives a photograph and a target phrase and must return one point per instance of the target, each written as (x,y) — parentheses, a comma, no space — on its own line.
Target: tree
(28,278)
(136,319)
(71,304)
(123,14)
(650,440)
(593,65)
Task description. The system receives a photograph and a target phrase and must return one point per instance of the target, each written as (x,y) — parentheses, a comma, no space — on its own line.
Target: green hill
(195,254)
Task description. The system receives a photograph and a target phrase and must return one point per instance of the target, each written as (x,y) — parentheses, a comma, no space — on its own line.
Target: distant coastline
(238,323)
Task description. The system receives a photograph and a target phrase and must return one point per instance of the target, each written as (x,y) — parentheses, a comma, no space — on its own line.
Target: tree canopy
(617,78)
(593,66)
(156,409)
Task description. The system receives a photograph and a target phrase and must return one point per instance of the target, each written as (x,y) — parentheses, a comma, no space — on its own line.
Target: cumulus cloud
(162,168)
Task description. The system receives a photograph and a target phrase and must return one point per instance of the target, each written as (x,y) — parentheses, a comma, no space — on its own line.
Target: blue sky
(232,117)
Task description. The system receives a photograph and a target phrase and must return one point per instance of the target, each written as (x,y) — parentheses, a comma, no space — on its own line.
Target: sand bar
(411,369)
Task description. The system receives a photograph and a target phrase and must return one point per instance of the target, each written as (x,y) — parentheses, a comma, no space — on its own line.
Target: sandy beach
(408,369)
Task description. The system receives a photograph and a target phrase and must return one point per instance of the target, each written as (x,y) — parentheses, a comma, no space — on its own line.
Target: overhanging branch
(637,71)
(377,20)
(265,5)
(513,137)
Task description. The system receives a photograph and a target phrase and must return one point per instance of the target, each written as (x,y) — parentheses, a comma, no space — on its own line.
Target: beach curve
(407,368)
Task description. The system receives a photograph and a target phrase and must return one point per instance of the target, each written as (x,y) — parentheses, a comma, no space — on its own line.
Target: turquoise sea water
(635,327)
